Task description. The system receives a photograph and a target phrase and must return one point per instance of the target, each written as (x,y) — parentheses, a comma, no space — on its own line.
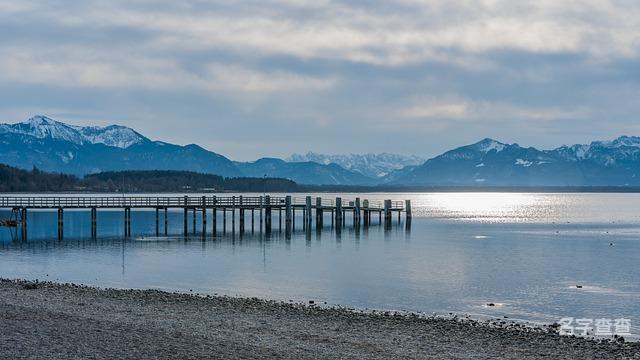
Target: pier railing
(177,201)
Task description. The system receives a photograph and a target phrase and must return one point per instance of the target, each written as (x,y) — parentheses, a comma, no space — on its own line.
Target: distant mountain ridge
(492,163)
(304,172)
(370,165)
(55,146)
(51,145)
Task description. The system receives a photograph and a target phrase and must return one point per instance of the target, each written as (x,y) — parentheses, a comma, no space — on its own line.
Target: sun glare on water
(486,207)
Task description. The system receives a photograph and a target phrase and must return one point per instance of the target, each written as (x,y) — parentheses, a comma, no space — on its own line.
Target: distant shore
(306,189)
(52,321)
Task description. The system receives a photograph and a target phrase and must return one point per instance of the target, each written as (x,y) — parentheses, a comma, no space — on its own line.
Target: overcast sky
(270,77)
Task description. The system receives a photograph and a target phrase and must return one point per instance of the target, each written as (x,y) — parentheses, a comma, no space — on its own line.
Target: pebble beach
(55,321)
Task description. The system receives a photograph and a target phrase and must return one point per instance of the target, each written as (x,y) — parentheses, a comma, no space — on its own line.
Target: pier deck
(360,210)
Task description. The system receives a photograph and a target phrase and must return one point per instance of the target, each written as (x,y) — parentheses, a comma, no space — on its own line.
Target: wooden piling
(23,216)
(267,214)
(204,215)
(224,220)
(241,214)
(60,223)
(214,220)
(127,222)
(308,211)
(319,213)
(193,220)
(387,213)
(186,215)
(204,221)
(288,209)
(233,214)
(166,221)
(94,223)
(261,202)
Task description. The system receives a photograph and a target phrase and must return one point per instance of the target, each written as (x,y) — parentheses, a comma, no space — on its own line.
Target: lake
(523,252)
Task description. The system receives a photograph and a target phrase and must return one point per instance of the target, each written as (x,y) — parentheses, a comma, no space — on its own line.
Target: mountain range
(375,166)
(55,146)
(492,163)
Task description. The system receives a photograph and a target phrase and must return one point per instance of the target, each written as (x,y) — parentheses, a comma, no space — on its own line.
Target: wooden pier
(361,211)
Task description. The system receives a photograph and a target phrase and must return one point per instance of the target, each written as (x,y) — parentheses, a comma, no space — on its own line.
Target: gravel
(67,321)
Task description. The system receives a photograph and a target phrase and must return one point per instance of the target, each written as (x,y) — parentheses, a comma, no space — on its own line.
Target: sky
(249,79)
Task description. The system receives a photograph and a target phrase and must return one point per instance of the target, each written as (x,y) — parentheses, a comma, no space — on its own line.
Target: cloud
(530,71)
(155,74)
(393,34)
(468,110)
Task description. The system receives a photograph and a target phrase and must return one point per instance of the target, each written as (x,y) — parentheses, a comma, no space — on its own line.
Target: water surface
(523,252)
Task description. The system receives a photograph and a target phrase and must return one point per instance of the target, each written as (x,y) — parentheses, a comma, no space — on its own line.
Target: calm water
(523,252)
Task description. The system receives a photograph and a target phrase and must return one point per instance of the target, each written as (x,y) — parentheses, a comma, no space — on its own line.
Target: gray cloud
(258,78)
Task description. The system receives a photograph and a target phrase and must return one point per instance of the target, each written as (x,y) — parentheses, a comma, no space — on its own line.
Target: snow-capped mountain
(490,162)
(304,172)
(42,127)
(607,153)
(55,146)
(371,165)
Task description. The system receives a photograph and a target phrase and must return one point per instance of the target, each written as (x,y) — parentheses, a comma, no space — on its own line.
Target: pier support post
(338,212)
(224,220)
(204,216)
(204,221)
(261,209)
(407,209)
(267,214)
(365,211)
(307,209)
(387,213)
(157,221)
(193,227)
(288,209)
(166,222)
(287,214)
(319,213)
(94,223)
(253,220)
(60,223)
(356,213)
(241,214)
(304,218)
(186,216)
(23,216)
(233,214)
(214,210)
(127,222)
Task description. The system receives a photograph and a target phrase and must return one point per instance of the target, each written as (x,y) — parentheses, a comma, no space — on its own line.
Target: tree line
(13,179)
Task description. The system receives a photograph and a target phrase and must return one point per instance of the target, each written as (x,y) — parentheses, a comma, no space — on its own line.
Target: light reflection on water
(523,252)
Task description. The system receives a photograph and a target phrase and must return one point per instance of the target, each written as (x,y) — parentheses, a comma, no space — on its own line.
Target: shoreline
(54,320)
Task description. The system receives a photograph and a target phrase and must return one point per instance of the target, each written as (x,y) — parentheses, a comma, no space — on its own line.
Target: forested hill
(17,180)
